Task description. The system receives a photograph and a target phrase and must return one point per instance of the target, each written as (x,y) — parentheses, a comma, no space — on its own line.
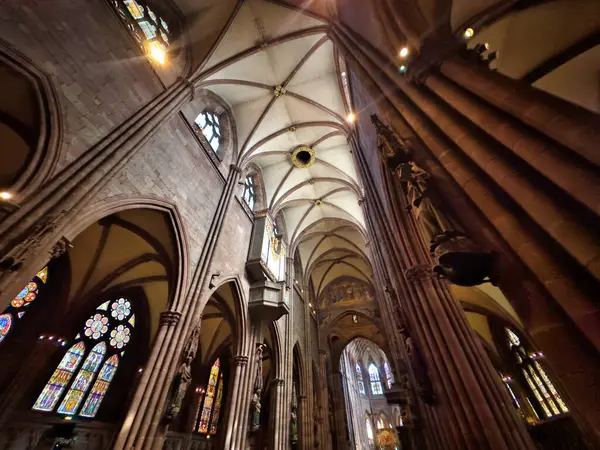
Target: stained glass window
(99,366)
(148,29)
(83,380)
(359,378)
(374,377)
(389,378)
(215,416)
(59,379)
(208,122)
(249,193)
(211,406)
(21,303)
(544,391)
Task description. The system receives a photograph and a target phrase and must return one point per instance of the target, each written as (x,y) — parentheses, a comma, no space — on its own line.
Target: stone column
(577,368)
(573,127)
(277,430)
(28,374)
(234,421)
(339,409)
(149,383)
(463,379)
(326,433)
(571,176)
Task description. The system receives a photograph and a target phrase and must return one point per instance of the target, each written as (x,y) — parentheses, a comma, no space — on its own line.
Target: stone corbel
(240,360)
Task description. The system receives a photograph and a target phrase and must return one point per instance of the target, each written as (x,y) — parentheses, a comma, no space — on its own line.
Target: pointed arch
(43,134)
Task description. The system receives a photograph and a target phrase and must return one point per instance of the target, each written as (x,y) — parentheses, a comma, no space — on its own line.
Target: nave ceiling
(280,74)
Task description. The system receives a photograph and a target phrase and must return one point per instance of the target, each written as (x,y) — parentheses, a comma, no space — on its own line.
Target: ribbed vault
(280,73)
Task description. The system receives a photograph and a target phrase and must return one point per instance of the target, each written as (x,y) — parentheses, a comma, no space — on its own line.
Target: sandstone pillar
(234,421)
(577,368)
(22,383)
(277,424)
(567,124)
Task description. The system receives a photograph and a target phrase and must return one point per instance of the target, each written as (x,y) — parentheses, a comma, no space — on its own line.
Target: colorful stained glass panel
(208,397)
(214,423)
(136,10)
(82,382)
(96,395)
(43,274)
(5,325)
(52,391)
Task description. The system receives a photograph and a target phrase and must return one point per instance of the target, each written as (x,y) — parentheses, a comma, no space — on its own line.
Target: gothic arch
(98,210)
(37,126)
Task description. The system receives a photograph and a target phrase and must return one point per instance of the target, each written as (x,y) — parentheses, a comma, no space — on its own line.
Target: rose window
(119,337)
(121,309)
(96,326)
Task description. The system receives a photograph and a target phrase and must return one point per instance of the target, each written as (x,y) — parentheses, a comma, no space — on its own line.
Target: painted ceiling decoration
(280,73)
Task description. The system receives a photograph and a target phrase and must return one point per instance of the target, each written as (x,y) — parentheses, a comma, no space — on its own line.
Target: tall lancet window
(376,387)
(536,377)
(359,379)
(89,366)
(21,303)
(210,406)
(389,378)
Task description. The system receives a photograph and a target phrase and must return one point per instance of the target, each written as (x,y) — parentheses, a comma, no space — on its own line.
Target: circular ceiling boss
(303,157)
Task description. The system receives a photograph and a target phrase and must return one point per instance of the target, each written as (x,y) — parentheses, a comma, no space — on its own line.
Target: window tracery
(359,378)
(210,125)
(376,387)
(249,194)
(149,30)
(536,377)
(21,303)
(99,366)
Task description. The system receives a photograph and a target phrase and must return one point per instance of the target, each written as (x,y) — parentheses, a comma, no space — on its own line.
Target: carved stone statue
(255,405)
(458,258)
(294,417)
(180,387)
(431,221)
(183,378)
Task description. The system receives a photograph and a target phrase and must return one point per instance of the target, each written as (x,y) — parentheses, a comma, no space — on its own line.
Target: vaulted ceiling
(280,73)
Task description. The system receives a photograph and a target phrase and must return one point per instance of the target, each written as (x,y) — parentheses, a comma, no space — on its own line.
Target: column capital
(240,360)
(235,168)
(278,382)
(422,272)
(169,318)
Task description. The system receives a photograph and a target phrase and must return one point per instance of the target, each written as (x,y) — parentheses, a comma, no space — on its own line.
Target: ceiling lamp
(5,195)
(303,157)
(351,117)
(404,52)
(469,33)
(402,69)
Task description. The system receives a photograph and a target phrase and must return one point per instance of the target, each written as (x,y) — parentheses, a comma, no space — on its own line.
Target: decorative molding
(235,168)
(169,318)
(60,248)
(422,272)
(240,360)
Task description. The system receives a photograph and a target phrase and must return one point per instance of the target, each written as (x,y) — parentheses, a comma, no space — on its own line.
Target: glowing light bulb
(351,118)
(157,52)
(402,69)
(5,195)
(469,33)
(404,52)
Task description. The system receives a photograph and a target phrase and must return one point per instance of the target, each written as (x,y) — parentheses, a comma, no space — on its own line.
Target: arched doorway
(88,334)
